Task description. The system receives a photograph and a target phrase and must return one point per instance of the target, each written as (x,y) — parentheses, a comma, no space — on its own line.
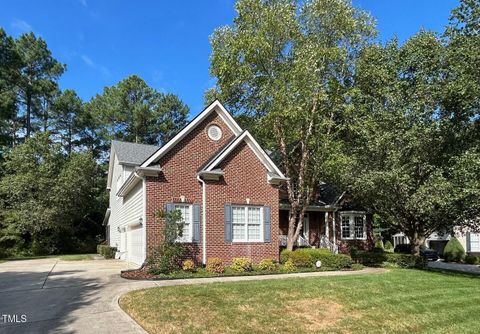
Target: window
(358,227)
(345,227)
(186,211)
(353,225)
(247,223)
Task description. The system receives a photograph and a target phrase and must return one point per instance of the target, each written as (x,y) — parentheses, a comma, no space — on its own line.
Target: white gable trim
(215,106)
(255,147)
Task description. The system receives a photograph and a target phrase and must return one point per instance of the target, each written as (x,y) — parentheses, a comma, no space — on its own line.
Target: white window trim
(351,217)
(190,208)
(118,185)
(246,239)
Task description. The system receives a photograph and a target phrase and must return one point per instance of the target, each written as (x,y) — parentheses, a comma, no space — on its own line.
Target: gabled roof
(274,174)
(132,153)
(214,106)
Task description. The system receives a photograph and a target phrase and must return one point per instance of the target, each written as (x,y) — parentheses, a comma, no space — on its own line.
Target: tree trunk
(292,219)
(417,240)
(29,112)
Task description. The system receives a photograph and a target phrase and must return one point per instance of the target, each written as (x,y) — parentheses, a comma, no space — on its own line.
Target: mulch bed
(138,274)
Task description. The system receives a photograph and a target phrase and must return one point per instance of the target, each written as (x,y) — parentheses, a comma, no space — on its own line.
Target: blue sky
(166,42)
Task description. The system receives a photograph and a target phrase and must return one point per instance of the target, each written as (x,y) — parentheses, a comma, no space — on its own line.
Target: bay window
(353,225)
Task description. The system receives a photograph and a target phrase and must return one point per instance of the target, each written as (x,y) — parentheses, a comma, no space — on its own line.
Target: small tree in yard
(167,257)
(454,251)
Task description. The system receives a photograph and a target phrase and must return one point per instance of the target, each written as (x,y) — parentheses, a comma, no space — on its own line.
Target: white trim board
(254,146)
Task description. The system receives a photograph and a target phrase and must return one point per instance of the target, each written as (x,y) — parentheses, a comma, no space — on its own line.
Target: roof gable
(132,153)
(217,107)
(273,172)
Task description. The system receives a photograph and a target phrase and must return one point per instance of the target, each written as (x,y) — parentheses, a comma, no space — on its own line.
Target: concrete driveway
(53,296)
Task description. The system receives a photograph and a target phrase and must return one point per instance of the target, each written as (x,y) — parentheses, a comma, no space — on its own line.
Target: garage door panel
(135,245)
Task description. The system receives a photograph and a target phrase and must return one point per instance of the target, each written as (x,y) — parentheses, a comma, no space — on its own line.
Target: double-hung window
(353,225)
(186,212)
(247,223)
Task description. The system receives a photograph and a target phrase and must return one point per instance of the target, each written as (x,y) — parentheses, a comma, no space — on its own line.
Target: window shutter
(169,207)
(196,223)
(469,245)
(266,223)
(228,222)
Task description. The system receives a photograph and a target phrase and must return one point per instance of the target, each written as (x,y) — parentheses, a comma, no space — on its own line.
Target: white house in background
(437,241)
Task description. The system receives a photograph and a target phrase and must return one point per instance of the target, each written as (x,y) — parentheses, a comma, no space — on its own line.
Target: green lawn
(401,301)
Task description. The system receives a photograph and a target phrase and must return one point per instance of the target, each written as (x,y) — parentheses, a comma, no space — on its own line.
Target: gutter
(204,219)
(137,175)
(107,215)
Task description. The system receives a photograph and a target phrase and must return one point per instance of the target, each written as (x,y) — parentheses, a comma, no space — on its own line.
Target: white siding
(124,210)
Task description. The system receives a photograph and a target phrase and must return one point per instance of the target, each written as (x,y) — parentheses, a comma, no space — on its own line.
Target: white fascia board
(215,106)
(256,148)
(111,162)
(136,176)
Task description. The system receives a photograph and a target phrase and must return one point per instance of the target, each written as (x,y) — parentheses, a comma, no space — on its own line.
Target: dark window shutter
(469,246)
(266,223)
(228,222)
(196,223)
(169,207)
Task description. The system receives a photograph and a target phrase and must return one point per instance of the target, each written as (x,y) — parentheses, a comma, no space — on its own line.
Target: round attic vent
(214,132)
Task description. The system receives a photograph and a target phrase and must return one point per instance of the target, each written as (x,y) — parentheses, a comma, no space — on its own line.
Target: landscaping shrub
(267,265)
(388,247)
(288,266)
(306,257)
(357,266)
(471,259)
(241,264)
(454,251)
(106,251)
(215,265)
(167,257)
(373,259)
(379,244)
(188,265)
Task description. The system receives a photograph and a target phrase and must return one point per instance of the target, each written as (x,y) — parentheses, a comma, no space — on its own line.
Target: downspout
(204,220)
(334,226)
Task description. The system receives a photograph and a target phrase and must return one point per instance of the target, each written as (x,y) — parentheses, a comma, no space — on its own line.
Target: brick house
(228,191)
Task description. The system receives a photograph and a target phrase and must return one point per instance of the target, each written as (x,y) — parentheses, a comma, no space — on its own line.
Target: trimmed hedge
(472,259)
(306,257)
(373,259)
(106,251)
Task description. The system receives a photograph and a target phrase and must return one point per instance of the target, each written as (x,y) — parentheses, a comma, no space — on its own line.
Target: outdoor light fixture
(140,221)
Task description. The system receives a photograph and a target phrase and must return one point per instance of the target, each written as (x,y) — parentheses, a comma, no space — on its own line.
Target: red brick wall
(245,177)
(179,176)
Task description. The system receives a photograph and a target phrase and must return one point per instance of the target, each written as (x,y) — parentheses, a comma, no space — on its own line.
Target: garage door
(135,245)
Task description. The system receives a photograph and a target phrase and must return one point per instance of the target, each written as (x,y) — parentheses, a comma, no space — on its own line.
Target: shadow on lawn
(48,305)
(453,272)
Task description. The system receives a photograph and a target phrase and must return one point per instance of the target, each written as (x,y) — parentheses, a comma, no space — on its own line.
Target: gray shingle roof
(133,153)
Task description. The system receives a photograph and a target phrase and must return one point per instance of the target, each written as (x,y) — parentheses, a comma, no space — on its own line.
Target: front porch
(328,228)
(318,231)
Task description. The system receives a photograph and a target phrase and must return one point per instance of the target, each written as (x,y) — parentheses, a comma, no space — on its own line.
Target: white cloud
(89,62)
(21,26)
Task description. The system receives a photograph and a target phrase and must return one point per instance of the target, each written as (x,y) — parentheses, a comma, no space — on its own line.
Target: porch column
(326,224)
(334,232)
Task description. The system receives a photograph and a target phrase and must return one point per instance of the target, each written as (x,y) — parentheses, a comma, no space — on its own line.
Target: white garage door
(135,245)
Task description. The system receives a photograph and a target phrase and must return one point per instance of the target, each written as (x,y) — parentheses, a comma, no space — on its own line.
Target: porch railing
(303,242)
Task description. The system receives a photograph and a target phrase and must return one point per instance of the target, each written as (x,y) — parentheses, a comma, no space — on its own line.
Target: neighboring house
(228,191)
(438,240)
